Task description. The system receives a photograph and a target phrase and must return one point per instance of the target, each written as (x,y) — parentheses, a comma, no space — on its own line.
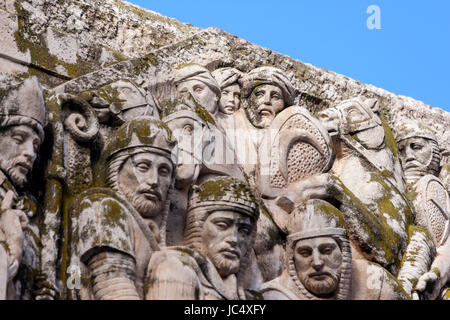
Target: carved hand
(12,223)
(315,187)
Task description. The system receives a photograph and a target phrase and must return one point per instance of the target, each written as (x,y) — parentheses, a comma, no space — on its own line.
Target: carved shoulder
(100,222)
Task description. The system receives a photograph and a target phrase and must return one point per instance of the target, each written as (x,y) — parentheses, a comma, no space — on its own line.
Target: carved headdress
(23,104)
(318,218)
(269,75)
(140,135)
(221,193)
(196,72)
(226,77)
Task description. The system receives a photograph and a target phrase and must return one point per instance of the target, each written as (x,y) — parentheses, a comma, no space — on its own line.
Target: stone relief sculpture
(368,172)
(22,121)
(319,261)
(168,179)
(119,228)
(420,155)
(219,235)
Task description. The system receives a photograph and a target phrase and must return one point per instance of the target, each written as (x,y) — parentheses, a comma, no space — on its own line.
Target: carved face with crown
(226,210)
(141,164)
(22,118)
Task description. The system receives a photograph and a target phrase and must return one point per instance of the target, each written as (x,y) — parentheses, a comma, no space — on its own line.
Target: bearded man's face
(145,179)
(318,263)
(19,146)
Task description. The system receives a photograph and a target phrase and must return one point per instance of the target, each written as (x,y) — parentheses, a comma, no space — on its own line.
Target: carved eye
(276,96)
(164,171)
(188,128)
(221,225)
(142,167)
(416,146)
(304,252)
(326,250)
(245,230)
(259,93)
(198,89)
(18,138)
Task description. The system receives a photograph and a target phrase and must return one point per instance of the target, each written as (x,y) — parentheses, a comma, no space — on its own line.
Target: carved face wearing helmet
(22,119)
(141,161)
(221,223)
(318,252)
(419,150)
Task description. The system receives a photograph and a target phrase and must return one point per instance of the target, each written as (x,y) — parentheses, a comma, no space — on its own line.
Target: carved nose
(317,261)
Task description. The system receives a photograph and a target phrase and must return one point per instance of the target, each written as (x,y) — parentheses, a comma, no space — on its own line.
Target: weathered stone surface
(174,162)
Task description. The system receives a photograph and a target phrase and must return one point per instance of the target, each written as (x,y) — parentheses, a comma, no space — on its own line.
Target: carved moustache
(231,251)
(21,162)
(148,191)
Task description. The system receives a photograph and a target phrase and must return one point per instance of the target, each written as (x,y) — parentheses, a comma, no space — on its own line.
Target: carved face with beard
(145,179)
(264,103)
(19,146)
(318,263)
(227,238)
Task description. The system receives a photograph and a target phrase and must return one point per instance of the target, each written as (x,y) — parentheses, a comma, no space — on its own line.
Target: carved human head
(141,161)
(318,251)
(357,117)
(221,223)
(229,82)
(198,82)
(124,100)
(194,140)
(22,119)
(267,91)
(419,150)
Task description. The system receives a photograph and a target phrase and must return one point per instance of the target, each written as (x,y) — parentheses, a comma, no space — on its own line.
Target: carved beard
(321,288)
(14,171)
(145,207)
(224,266)
(256,119)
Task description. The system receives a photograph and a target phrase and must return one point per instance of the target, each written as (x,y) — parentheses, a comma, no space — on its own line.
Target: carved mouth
(265,112)
(229,107)
(230,253)
(152,195)
(319,276)
(24,166)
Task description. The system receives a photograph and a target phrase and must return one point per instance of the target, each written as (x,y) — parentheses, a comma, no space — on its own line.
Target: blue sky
(409,55)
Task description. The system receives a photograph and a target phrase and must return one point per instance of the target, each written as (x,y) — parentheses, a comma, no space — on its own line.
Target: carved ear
(373,104)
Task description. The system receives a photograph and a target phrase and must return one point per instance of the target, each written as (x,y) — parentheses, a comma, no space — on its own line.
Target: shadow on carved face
(227,237)
(202,93)
(145,179)
(318,264)
(19,146)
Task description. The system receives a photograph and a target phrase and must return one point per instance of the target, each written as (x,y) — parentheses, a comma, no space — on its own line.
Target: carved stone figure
(419,152)
(22,120)
(318,256)
(368,174)
(120,101)
(197,81)
(267,91)
(118,229)
(219,235)
(229,82)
